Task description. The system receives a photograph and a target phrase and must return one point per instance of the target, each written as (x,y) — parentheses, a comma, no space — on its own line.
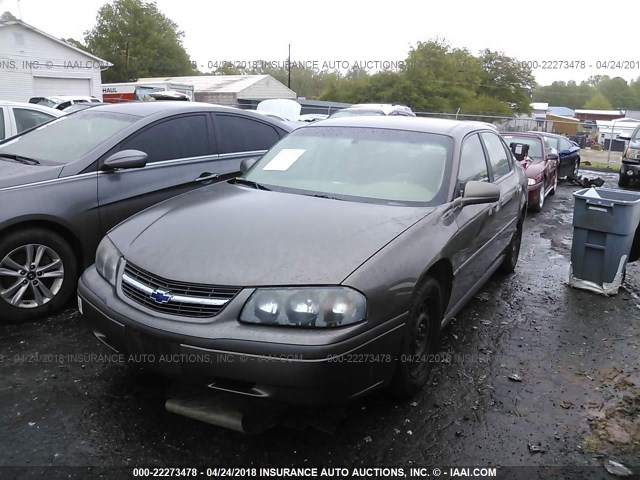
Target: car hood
(13,174)
(532,167)
(230,234)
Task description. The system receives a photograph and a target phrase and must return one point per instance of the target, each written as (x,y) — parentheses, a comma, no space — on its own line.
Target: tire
(555,185)
(537,207)
(512,252)
(576,167)
(33,289)
(623,181)
(421,340)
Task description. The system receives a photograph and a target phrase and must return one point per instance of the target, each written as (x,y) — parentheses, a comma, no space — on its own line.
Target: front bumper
(287,371)
(534,192)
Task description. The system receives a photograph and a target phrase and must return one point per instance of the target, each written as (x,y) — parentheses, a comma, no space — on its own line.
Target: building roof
(564,111)
(20,23)
(213,83)
(600,112)
(562,117)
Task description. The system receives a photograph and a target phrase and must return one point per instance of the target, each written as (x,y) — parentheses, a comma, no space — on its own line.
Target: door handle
(207,177)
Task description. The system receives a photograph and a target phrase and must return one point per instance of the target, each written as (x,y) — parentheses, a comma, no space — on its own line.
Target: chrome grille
(174,298)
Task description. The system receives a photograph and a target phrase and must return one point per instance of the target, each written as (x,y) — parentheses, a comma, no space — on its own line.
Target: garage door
(48,86)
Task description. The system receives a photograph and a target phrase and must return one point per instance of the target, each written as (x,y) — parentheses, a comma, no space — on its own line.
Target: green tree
(598,102)
(506,80)
(139,40)
(75,43)
(618,92)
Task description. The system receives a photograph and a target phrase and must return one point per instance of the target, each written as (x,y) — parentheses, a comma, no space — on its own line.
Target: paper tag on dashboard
(284,159)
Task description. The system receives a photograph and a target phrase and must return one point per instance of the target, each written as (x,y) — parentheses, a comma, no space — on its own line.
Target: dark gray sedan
(66,183)
(324,273)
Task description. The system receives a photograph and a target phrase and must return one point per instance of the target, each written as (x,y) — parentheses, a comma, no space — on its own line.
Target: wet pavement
(532,373)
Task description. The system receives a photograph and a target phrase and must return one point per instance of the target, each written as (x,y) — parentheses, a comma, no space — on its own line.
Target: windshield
(552,142)
(46,102)
(355,163)
(635,136)
(68,138)
(356,112)
(535,146)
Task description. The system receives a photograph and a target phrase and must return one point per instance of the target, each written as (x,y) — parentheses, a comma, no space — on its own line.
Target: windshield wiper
(250,183)
(324,195)
(20,159)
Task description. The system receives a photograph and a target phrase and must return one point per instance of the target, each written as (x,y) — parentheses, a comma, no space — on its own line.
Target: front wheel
(576,167)
(537,206)
(512,252)
(421,340)
(623,181)
(555,184)
(38,274)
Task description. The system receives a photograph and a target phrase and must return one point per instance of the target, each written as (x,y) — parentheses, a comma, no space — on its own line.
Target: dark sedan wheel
(512,252)
(38,272)
(421,340)
(537,206)
(576,167)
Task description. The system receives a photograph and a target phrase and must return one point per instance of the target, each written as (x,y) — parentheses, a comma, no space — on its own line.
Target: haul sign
(118,93)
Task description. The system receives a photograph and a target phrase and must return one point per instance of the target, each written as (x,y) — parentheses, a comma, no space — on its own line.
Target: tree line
(140,41)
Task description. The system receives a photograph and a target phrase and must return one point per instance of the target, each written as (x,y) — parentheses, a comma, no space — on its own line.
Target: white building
(612,129)
(230,89)
(34,63)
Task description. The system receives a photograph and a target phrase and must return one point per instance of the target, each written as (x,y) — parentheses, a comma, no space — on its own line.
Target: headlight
(320,307)
(531,181)
(107,257)
(632,153)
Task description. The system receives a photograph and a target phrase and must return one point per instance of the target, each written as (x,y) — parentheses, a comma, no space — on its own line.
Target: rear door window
(240,134)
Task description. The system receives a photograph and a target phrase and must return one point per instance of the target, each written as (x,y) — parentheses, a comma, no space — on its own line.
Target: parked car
(540,162)
(568,153)
(630,167)
(326,271)
(60,102)
(380,109)
(66,183)
(16,117)
(312,117)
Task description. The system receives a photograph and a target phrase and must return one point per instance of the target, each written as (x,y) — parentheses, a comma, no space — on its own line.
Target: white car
(60,102)
(16,117)
(374,109)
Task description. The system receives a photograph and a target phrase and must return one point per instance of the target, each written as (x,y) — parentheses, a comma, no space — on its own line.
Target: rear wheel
(421,340)
(38,274)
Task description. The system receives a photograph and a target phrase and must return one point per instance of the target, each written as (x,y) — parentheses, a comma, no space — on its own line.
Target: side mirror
(125,159)
(246,164)
(552,156)
(476,193)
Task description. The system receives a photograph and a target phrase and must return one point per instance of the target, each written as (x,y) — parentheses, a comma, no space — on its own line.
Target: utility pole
(289,68)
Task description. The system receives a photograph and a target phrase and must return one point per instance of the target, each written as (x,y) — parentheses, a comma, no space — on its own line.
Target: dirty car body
(326,270)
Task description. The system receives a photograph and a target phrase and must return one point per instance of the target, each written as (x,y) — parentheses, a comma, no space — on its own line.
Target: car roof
(146,109)
(438,126)
(33,106)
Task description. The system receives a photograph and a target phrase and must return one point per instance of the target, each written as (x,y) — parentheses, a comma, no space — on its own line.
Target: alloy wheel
(541,196)
(30,276)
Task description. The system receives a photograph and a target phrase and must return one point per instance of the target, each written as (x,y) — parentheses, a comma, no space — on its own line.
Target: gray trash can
(604,225)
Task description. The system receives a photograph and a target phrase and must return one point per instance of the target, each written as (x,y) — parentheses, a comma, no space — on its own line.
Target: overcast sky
(355,30)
